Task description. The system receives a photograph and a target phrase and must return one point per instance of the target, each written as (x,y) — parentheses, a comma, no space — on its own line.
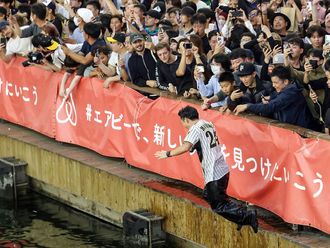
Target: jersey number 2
(213,138)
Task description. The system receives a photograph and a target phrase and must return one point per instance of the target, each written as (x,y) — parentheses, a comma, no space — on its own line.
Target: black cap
(160,7)
(245,68)
(118,37)
(154,14)
(135,37)
(3,25)
(286,18)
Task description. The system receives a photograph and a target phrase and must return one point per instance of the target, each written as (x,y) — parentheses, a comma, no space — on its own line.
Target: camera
(313,63)
(187,45)
(33,57)
(237,13)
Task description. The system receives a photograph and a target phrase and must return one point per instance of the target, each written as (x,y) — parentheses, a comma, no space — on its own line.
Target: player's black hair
(226,76)
(189,113)
(92,29)
(281,72)
(39,9)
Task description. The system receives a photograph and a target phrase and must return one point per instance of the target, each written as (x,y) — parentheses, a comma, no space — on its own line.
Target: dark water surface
(38,221)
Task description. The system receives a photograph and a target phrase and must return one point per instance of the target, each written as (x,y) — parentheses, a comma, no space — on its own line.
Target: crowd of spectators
(267,57)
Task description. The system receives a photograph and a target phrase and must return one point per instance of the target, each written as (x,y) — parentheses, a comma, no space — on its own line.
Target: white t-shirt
(59,56)
(21,46)
(114,61)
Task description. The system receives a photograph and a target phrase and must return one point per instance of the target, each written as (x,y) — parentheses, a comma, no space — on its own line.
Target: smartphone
(309,5)
(221,40)
(97,53)
(187,45)
(313,63)
(3,40)
(237,13)
(327,39)
(285,45)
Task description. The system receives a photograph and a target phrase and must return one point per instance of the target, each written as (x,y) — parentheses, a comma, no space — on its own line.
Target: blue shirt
(87,48)
(78,36)
(210,89)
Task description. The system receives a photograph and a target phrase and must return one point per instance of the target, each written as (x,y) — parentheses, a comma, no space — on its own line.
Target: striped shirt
(204,139)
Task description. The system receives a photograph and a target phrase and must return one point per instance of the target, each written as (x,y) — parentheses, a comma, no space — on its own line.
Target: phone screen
(327,39)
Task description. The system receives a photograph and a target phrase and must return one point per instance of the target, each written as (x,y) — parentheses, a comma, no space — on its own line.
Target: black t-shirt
(206,45)
(87,48)
(167,74)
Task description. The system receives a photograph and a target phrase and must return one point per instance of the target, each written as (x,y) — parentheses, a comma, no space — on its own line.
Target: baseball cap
(118,37)
(160,7)
(135,37)
(3,25)
(245,68)
(154,14)
(54,45)
(49,4)
(85,14)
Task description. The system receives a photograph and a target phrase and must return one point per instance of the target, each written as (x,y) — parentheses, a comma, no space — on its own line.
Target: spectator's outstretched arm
(47,66)
(85,60)
(273,106)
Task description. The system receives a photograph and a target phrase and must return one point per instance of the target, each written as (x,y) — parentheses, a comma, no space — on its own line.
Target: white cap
(85,14)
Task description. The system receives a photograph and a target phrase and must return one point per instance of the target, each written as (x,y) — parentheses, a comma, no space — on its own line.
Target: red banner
(28,96)
(271,167)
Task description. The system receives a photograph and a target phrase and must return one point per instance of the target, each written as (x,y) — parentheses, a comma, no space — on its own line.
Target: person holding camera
(236,17)
(48,53)
(169,76)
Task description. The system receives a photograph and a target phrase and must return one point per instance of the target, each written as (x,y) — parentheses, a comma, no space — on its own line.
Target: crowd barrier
(271,167)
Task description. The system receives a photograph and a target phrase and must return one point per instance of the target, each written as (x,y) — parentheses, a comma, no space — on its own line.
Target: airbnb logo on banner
(66,112)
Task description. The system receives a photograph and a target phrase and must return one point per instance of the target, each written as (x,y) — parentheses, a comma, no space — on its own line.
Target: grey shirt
(31,30)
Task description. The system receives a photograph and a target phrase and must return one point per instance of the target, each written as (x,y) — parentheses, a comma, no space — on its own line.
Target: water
(39,221)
